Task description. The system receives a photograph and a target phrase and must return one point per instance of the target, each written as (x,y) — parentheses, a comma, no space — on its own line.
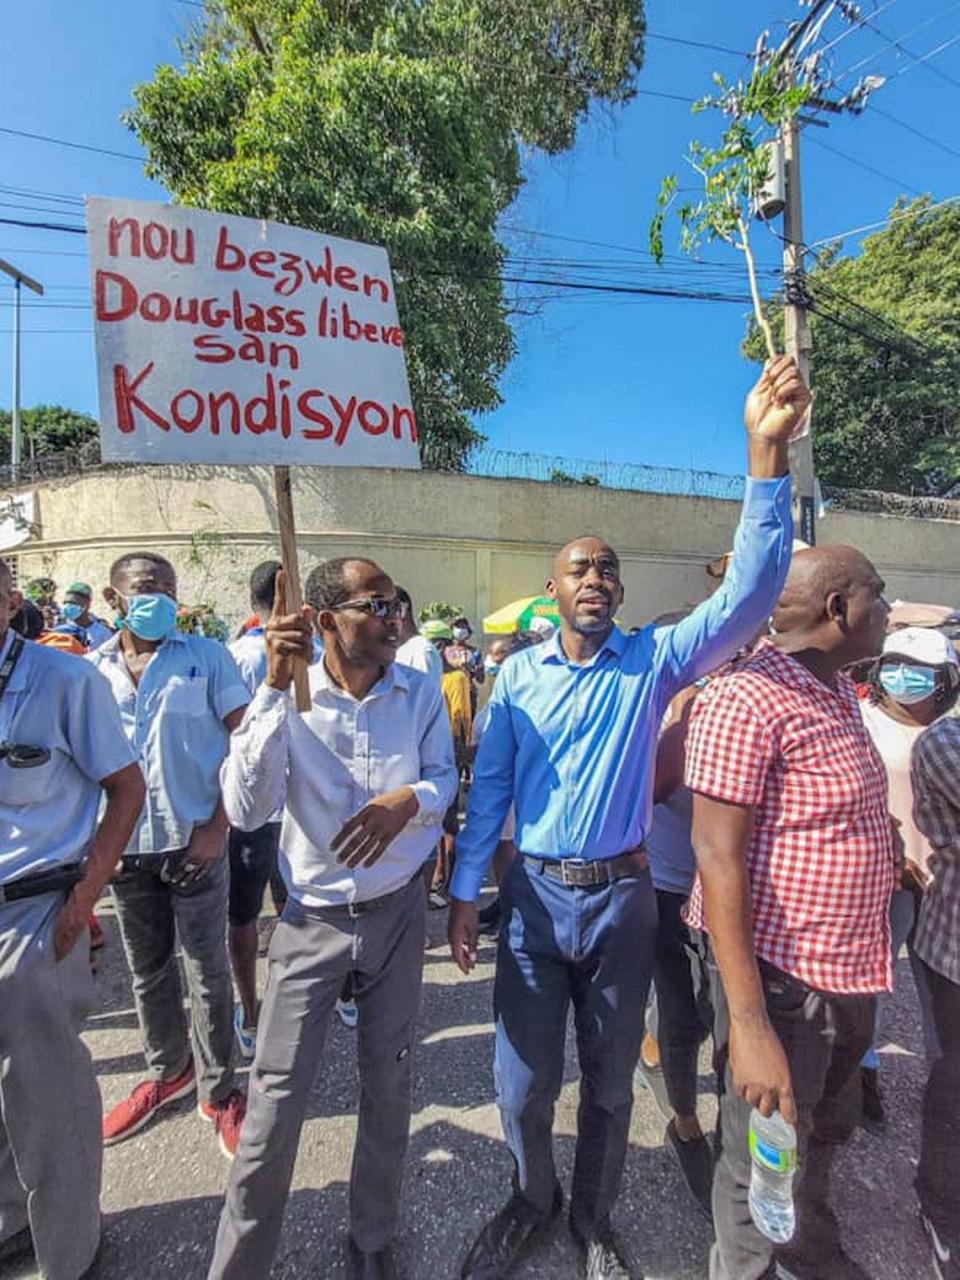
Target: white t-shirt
(419,653)
(895,740)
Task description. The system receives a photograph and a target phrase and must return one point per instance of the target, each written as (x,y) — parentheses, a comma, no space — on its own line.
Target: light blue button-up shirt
(174,721)
(573,746)
(48,812)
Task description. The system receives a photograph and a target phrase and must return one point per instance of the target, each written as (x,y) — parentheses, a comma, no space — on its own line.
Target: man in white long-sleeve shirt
(368,772)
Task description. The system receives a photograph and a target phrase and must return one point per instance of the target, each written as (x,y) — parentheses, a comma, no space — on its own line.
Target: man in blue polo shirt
(571,743)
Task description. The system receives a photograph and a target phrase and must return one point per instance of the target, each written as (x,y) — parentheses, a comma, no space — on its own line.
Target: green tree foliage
(734,172)
(49,428)
(398,122)
(887,410)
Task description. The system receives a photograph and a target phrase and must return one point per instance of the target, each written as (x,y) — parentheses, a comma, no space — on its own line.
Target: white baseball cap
(542,626)
(922,645)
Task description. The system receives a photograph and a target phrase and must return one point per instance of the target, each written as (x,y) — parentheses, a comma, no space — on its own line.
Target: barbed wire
(554,469)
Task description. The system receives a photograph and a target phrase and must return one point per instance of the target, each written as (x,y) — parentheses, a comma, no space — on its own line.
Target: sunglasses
(395,608)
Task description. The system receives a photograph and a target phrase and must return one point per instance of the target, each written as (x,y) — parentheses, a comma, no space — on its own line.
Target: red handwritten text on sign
(224,339)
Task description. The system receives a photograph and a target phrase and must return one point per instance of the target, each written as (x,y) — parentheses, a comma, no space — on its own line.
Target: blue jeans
(592,948)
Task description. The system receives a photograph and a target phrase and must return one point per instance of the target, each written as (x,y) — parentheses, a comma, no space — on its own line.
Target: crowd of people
(711,806)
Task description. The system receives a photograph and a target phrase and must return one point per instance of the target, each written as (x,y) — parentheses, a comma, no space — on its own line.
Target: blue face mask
(908,684)
(491,668)
(152,617)
(72,611)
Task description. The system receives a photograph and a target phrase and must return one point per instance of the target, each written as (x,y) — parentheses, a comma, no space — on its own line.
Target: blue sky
(633,380)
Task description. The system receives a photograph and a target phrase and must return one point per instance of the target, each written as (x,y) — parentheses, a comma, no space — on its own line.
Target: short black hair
(327,585)
(263,582)
(151,557)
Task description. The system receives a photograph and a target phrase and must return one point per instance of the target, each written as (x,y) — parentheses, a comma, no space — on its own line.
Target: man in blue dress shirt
(571,743)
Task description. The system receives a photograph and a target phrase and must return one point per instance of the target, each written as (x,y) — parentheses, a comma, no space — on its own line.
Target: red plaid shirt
(770,735)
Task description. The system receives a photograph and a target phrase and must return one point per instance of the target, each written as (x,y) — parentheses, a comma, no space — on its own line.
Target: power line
(77,146)
(861,164)
(918,133)
(923,61)
(696,44)
(937,17)
(871,226)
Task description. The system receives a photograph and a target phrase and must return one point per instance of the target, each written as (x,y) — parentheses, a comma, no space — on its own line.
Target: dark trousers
(592,948)
(684,1010)
(824,1037)
(154,917)
(938,1176)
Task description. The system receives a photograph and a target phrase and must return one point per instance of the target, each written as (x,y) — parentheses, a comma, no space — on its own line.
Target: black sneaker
(946,1262)
(695,1159)
(16,1248)
(601,1253)
(507,1236)
(871,1105)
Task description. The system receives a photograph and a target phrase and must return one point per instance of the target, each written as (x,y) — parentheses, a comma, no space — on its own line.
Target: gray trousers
(50,1113)
(153,916)
(824,1037)
(313,949)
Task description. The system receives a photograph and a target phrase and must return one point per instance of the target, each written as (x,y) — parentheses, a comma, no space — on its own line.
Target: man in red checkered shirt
(795,854)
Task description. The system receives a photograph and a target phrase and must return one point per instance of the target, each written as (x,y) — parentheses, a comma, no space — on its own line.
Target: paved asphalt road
(162,1188)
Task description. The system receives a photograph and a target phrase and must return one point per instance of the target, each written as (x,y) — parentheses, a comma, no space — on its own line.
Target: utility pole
(19,278)
(796,330)
(797,338)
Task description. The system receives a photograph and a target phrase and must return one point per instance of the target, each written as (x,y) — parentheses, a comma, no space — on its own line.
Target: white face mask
(460,633)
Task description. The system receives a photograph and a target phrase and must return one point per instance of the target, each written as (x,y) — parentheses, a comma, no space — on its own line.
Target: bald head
(833,600)
(585,546)
(586,585)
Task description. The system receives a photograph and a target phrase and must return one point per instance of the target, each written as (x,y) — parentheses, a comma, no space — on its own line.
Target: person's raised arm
(740,607)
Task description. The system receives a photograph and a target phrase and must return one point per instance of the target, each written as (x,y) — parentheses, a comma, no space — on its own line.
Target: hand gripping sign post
(236,341)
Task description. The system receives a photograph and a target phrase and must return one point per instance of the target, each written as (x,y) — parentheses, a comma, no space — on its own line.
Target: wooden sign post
(291,571)
(235,341)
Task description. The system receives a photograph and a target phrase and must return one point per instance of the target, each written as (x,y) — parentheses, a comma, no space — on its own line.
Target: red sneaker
(226,1117)
(147,1098)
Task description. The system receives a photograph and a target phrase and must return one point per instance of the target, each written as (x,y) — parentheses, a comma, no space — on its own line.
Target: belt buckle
(565,863)
(354,910)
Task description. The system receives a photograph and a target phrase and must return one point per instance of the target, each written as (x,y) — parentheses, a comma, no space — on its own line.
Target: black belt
(583,873)
(59,880)
(354,909)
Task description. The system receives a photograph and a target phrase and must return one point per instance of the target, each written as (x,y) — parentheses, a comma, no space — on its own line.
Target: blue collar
(552,651)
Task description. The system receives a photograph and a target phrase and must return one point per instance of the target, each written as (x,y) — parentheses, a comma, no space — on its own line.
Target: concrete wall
(476,541)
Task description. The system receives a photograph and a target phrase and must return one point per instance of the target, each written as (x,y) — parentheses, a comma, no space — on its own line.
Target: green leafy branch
(734,172)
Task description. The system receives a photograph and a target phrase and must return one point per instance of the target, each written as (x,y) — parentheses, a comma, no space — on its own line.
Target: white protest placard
(233,340)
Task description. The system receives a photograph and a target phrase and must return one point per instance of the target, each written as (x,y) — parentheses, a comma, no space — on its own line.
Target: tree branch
(758,311)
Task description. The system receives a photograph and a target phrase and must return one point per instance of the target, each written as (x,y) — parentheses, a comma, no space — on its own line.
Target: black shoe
(653,1080)
(695,1159)
(370,1266)
(601,1253)
(837,1266)
(488,920)
(946,1261)
(507,1237)
(871,1104)
(16,1247)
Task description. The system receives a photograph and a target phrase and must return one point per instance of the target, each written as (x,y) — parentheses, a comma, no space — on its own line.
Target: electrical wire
(862,164)
(872,226)
(917,133)
(77,146)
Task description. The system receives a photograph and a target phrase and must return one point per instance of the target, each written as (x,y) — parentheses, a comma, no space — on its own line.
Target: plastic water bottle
(773,1153)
